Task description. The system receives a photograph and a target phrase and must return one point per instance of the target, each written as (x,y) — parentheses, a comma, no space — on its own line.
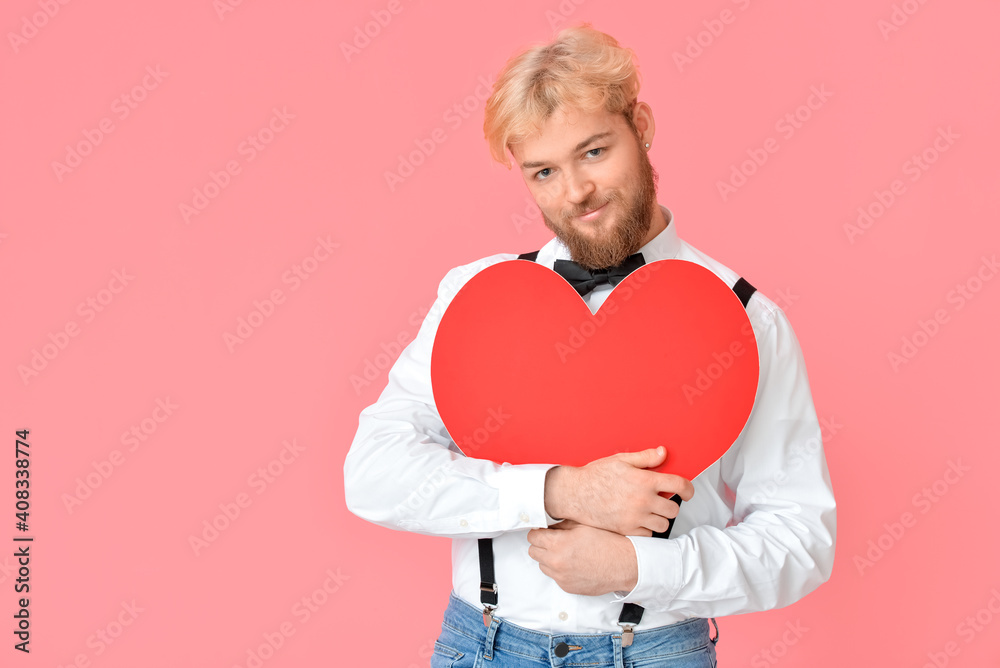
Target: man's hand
(584,560)
(617,493)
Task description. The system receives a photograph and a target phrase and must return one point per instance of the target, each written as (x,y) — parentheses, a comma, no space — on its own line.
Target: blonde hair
(582,68)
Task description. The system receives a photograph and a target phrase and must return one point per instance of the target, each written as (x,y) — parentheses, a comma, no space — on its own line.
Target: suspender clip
(488,595)
(627,636)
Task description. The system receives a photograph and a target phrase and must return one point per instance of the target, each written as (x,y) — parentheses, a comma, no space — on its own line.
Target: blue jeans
(465,642)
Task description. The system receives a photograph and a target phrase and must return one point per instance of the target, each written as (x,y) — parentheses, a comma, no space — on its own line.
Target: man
(572,545)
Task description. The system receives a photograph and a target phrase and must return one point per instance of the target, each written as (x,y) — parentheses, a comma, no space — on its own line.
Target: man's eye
(541,174)
(595,149)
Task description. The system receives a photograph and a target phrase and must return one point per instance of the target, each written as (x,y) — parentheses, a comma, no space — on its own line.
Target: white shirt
(758,534)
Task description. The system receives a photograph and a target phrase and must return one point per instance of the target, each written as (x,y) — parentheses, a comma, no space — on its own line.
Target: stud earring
(647,144)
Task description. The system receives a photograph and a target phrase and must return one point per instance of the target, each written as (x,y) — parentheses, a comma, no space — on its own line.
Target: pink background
(320,174)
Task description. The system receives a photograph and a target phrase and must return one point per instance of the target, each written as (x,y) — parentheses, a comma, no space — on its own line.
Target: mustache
(588,206)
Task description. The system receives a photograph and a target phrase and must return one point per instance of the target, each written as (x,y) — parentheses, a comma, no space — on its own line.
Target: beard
(618,238)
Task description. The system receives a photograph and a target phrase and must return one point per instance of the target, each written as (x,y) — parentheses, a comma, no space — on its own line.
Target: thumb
(645,459)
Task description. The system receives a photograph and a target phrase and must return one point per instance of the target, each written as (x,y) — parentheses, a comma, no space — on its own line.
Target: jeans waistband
(691,635)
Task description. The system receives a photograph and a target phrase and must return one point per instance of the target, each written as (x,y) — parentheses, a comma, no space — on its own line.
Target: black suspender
(744,291)
(631,613)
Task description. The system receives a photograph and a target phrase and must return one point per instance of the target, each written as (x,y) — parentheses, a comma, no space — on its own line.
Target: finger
(644,459)
(664,507)
(536,553)
(540,538)
(657,523)
(565,524)
(670,484)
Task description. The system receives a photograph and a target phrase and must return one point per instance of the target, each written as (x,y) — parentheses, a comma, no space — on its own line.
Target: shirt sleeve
(779,545)
(403,470)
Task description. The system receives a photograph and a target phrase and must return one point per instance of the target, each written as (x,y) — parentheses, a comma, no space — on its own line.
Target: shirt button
(525,518)
(563,616)
(464,523)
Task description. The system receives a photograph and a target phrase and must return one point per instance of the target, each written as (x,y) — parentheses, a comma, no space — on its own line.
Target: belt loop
(491,633)
(716,625)
(616,642)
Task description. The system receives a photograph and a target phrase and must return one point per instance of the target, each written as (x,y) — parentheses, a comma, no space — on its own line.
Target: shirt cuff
(660,570)
(522,496)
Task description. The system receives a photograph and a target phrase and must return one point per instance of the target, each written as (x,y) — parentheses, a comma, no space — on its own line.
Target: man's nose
(579,186)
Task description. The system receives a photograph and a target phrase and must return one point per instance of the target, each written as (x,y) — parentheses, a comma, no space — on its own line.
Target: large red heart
(522,372)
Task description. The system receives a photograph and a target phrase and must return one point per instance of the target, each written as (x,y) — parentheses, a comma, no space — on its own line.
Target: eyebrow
(585,142)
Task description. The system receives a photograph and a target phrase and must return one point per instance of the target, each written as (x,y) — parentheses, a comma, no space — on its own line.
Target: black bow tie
(585,280)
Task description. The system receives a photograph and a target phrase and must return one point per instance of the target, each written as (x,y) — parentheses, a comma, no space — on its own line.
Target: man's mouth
(591,215)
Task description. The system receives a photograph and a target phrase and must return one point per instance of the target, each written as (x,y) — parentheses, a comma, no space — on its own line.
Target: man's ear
(642,118)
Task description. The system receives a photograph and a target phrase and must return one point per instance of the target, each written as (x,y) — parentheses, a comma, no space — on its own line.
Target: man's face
(593,183)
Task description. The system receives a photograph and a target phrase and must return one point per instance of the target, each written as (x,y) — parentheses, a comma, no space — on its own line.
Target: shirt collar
(664,246)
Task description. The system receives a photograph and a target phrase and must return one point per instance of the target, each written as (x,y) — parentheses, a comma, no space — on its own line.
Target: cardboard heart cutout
(522,372)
